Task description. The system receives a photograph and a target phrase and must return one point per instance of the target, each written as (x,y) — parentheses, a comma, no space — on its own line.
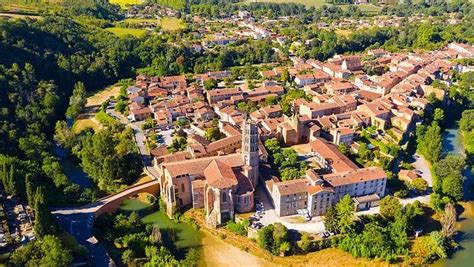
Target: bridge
(79,221)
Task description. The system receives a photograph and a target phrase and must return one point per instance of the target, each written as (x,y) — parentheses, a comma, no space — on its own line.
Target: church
(221,184)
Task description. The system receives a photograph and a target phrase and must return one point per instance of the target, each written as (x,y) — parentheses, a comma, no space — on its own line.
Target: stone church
(222,184)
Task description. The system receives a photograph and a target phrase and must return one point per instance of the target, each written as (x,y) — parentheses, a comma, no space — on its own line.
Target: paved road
(80,226)
(423,166)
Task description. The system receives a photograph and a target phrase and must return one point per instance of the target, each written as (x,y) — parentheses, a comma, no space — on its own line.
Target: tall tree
(448,221)
(331,220)
(77,101)
(345,212)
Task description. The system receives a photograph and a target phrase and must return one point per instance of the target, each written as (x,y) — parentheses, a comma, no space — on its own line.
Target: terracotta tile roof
(355,176)
(292,187)
(222,143)
(220,175)
(338,161)
(197,166)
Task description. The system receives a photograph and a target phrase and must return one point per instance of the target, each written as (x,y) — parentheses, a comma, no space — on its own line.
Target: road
(80,226)
(424,167)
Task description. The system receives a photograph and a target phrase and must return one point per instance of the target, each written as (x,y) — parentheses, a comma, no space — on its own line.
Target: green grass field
(171,24)
(119,31)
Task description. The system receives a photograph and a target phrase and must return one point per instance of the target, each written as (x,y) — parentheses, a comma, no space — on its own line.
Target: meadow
(125,3)
(120,31)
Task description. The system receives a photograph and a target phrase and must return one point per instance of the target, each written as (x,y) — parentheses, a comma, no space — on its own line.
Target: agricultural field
(307,3)
(171,24)
(368,9)
(120,31)
(125,3)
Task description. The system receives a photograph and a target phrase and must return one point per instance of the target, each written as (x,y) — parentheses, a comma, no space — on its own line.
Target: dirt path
(216,252)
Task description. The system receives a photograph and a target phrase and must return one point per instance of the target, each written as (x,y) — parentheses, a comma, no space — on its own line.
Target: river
(452,143)
(72,169)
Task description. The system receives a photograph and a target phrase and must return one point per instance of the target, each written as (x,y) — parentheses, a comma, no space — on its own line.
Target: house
(140,114)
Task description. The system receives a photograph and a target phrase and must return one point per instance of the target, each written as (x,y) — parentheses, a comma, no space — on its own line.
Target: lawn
(83,123)
(125,3)
(171,24)
(119,31)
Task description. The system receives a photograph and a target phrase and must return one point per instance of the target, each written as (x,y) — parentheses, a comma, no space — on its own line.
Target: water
(452,143)
(71,168)
(186,235)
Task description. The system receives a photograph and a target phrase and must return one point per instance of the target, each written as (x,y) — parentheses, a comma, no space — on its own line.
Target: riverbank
(453,143)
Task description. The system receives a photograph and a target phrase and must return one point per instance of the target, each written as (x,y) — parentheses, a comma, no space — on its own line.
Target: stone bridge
(79,221)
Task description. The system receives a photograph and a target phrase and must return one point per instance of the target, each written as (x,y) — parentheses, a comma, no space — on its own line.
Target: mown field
(171,24)
(120,31)
(125,3)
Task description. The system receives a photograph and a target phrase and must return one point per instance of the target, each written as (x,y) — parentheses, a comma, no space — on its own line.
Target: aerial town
(236,133)
(222,175)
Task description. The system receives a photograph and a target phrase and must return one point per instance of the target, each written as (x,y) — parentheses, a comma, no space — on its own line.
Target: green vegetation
(213,133)
(285,160)
(154,239)
(238,228)
(275,239)
(179,142)
(122,32)
(47,251)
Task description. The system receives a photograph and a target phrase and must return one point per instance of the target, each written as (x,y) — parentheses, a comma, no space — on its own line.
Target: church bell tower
(250,150)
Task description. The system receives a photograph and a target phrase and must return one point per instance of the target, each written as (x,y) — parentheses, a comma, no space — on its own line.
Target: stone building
(222,185)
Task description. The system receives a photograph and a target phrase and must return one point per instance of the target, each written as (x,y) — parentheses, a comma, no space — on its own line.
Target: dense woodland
(48,66)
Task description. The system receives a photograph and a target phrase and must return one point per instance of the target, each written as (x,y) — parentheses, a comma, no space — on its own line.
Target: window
(182,188)
(224,197)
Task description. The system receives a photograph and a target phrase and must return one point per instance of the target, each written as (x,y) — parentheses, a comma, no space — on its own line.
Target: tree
(453,186)
(429,141)
(331,220)
(43,221)
(345,212)
(128,256)
(450,165)
(438,115)
(77,101)
(343,148)
(265,237)
(210,84)
(448,221)
(305,243)
(429,248)
(213,134)
(272,145)
(390,207)
(419,184)
(285,75)
(46,251)
(274,238)
(398,232)
(64,136)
